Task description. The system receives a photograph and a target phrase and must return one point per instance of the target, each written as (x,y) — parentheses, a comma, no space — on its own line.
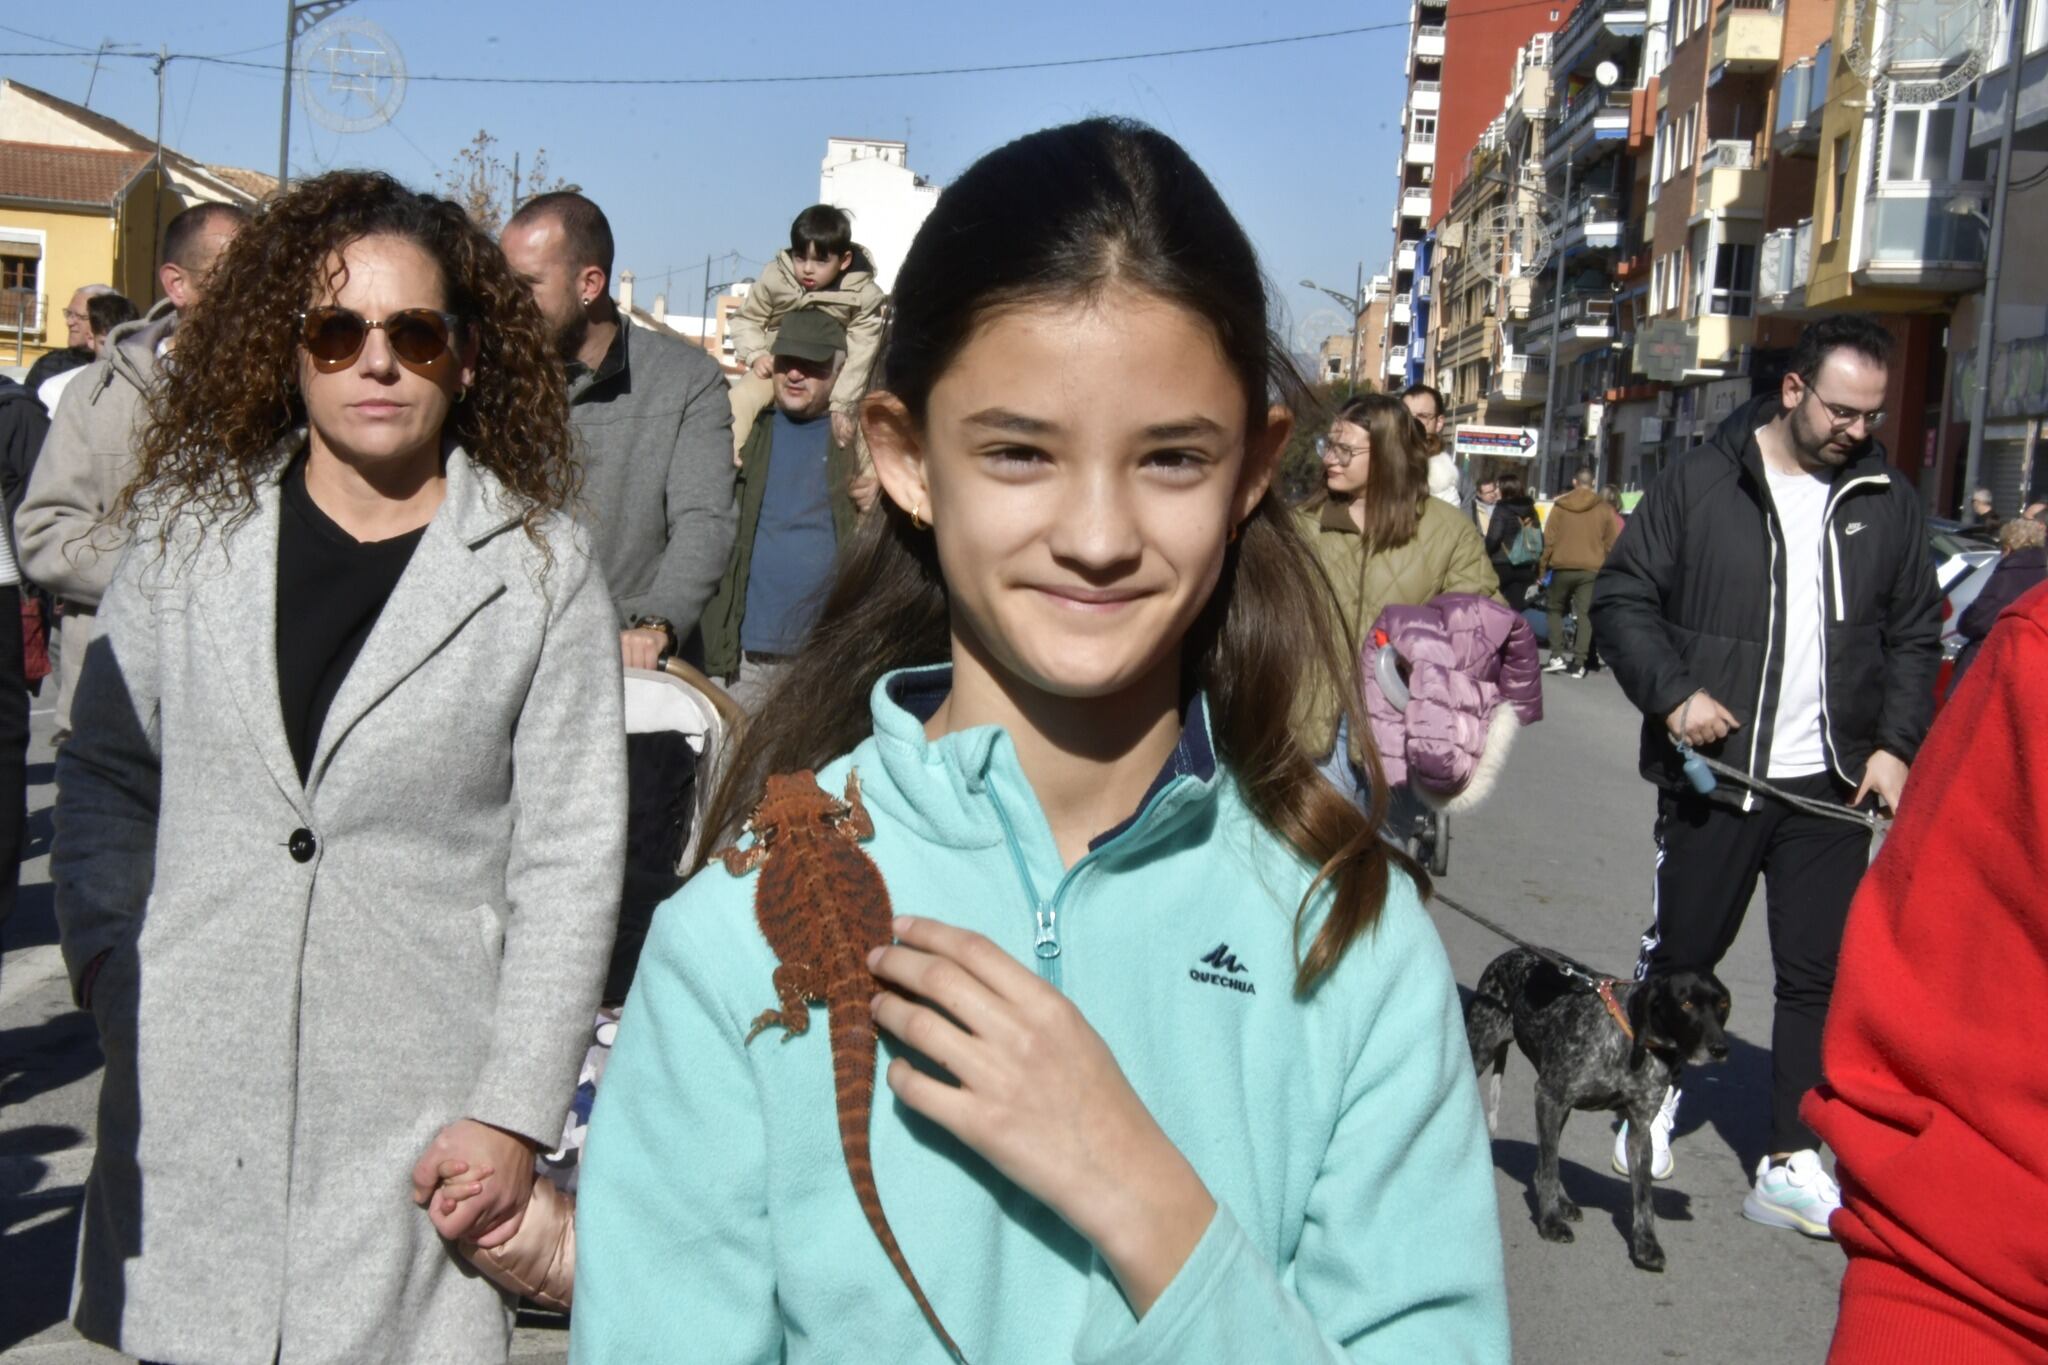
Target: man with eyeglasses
(1772,603)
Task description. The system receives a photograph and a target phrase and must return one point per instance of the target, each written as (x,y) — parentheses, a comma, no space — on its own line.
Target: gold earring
(917,516)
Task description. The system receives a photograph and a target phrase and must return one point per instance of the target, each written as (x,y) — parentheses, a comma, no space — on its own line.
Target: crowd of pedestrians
(352,539)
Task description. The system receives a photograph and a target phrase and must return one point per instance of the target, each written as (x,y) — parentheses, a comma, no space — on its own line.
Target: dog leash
(1700,771)
(1577,971)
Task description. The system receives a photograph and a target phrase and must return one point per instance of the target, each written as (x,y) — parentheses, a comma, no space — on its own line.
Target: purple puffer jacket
(1468,668)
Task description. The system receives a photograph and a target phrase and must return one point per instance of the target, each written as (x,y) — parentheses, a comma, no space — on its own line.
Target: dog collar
(1606,988)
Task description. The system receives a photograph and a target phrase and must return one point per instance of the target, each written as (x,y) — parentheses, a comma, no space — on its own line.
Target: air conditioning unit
(1429,173)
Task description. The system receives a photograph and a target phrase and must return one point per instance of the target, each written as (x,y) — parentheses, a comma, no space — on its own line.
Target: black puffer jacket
(1693,597)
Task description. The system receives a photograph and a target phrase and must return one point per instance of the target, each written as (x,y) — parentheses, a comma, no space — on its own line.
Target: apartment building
(1333,362)
(1461,57)
(1491,245)
(1605,62)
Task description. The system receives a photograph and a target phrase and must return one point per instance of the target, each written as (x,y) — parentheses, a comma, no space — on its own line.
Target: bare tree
(489,189)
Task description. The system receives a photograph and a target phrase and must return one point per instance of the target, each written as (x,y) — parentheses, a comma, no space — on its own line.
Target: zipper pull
(1047,944)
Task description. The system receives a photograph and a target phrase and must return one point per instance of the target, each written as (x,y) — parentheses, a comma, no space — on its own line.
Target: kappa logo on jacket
(1227,969)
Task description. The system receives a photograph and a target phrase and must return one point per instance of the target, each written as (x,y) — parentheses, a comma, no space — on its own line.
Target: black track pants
(1708,860)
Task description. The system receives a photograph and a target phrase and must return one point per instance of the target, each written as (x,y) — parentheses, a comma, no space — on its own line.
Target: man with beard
(1772,603)
(653,424)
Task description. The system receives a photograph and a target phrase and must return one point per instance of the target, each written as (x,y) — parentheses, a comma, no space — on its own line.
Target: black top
(331,588)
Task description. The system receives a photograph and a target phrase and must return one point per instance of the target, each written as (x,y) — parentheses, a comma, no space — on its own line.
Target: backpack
(1526,548)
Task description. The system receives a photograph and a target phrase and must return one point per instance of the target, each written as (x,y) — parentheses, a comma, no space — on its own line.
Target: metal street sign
(1512,443)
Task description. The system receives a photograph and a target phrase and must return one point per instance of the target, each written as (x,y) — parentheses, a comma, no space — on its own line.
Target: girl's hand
(451,1189)
(490,1217)
(1041,1098)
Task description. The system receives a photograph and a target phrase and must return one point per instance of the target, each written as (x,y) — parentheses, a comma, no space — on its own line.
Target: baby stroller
(677,723)
(1447,685)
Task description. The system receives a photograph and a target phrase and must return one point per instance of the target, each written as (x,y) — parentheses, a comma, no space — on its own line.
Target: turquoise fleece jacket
(1340,1135)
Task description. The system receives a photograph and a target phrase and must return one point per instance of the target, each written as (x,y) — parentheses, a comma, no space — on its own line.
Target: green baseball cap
(809,334)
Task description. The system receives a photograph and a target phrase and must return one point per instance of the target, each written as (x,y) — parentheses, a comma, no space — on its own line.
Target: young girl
(1174,1068)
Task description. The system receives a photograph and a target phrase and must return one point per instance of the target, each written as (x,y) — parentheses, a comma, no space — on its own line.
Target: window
(1840,190)
(1660,150)
(1657,285)
(1734,288)
(19,272)
(1701,276)
(1422,128)
(1926,145)
(1688,128)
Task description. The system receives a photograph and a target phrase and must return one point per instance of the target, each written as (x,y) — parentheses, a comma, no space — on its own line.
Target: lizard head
(793,801)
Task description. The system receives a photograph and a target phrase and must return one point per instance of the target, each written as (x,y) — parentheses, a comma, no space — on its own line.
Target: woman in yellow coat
(1382,541)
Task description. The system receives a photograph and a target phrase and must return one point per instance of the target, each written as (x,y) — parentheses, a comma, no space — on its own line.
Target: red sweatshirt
(1936,1092)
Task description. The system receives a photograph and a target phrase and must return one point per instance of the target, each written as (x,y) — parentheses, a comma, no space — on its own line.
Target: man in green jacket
(800,493)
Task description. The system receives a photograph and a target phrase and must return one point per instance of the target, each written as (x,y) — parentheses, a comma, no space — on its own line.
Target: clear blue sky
(1300,138)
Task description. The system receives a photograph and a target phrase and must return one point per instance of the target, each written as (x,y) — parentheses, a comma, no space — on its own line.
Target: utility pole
(1564,213)
(1987,310)
(156,199)
(299,16)
(515,183)
(1357,315)
(1355,302)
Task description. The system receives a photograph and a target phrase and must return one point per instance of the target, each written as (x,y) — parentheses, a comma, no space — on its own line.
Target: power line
(820,77)
(39,38)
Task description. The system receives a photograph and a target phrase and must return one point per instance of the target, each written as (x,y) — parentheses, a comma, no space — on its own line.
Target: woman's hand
(503,1163)
(1041,1098)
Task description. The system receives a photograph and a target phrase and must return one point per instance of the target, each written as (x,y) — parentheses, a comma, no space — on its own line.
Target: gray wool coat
(305,982)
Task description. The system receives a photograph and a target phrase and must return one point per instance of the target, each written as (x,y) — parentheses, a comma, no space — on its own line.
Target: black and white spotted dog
(1618,1048)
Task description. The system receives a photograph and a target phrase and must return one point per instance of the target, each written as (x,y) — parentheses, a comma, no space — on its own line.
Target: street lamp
(300,16)
(1355,303)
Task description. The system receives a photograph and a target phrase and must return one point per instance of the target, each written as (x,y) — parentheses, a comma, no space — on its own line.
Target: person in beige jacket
(824,269)
(65,531)
(1381,541)
(1577,535)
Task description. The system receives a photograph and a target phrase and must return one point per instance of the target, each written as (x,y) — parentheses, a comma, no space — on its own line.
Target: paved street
(1561,853)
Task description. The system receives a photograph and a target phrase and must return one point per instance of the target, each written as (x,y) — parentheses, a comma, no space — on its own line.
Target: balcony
(1746,35)
(1396,366)
(1912,241)
(1520,379)
(1784,264)
(1426,96)
(1584,322)
(1802,94)
(1403,313)
(1596,28)
(1730,184)
(1593,220)
(1404,257)
(1421,149)
(1429,43)
(1594,117)
(1415,203)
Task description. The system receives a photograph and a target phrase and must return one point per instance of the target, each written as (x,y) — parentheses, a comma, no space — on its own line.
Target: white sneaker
(1662,1163)
(1557,664)
(1799,1194)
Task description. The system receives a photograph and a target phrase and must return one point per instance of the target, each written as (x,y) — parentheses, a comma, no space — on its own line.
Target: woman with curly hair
(341,825)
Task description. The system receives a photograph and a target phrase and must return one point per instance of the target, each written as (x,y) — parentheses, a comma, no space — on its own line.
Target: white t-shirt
(1798,748)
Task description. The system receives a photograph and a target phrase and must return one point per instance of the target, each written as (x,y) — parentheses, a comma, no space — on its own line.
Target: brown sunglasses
(420,338)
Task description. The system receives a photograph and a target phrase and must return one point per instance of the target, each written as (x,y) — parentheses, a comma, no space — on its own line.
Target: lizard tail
(853,1074)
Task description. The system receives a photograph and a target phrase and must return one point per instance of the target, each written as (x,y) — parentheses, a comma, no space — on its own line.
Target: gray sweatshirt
(653,428)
